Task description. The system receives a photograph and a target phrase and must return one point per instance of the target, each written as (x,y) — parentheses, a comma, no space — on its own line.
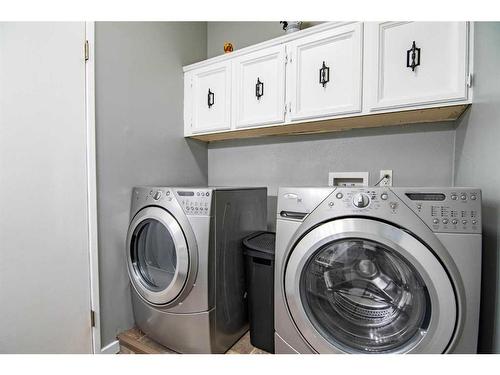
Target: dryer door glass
(158,256)
(154,254)
(363,296)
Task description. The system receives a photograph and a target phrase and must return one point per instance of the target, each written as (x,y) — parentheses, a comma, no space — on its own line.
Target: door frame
(92,185)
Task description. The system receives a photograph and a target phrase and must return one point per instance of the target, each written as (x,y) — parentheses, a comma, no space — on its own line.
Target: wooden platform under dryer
(134,341)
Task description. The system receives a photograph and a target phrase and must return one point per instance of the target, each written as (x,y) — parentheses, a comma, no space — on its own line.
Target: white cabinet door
(325,72)
(259,88)
(415,63)
(211,98)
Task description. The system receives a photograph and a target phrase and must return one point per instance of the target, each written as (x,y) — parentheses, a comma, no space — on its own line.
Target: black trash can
(259,255)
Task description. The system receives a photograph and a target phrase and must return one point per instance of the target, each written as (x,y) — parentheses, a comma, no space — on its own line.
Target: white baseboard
(112,348)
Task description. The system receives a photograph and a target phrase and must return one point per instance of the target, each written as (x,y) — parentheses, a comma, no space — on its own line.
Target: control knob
(361,200)
(157,195)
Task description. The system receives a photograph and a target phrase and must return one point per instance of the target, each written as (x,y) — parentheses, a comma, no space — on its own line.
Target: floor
(134,341)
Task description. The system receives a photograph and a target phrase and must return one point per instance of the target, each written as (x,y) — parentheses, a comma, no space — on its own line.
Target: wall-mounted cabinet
(325,72)
(209,98)
(415,63)
(259,88)
(341,73)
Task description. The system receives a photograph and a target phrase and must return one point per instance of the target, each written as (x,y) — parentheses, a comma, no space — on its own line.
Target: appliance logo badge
(293,196)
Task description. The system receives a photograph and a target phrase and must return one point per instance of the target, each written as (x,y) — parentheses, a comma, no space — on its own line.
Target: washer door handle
(293,215)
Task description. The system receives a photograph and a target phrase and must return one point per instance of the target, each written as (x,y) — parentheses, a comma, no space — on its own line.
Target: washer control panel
(358,200)
(195,201)
(449,210)
(453,210)
(361,200)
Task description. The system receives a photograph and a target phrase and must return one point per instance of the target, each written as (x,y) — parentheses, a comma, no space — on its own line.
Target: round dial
(361,200)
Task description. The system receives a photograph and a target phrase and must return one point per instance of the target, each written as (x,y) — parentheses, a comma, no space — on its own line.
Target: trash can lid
(263,242)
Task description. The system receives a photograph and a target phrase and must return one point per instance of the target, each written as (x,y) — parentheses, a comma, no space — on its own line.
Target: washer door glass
(154,254)
(364,297)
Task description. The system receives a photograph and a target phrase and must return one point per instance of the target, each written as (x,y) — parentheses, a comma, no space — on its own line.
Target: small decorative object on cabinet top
(291,26)
(228,47)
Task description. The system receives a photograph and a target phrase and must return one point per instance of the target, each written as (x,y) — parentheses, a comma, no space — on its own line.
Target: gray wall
(418,155)
(477,160)
(242,34)
(139,114)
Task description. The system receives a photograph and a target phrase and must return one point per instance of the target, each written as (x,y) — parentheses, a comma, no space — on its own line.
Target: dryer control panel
(195,201)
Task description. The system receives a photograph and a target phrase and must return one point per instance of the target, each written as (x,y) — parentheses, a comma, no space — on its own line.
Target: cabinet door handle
(211,98)
(324,75)
(259,89)
(414,54)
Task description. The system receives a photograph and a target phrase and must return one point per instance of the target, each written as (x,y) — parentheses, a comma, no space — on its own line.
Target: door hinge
(290,107)
(92,318)
(86,50)
(470,80)
(286,108)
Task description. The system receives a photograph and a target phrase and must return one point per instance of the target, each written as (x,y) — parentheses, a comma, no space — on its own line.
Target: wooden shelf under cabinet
(437,114)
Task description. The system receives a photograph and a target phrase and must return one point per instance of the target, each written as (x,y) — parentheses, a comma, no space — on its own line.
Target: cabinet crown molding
(268,43)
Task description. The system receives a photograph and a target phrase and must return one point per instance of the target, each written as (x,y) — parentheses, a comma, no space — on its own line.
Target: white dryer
(377,270)
(185,263)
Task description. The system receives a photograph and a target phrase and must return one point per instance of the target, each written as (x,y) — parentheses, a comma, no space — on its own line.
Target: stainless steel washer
(377,270)
(185,263)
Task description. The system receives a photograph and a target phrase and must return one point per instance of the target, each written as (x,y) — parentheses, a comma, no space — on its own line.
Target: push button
(435,221)
(445,221)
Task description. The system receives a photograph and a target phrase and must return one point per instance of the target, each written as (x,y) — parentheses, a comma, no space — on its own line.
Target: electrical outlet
(385,181)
